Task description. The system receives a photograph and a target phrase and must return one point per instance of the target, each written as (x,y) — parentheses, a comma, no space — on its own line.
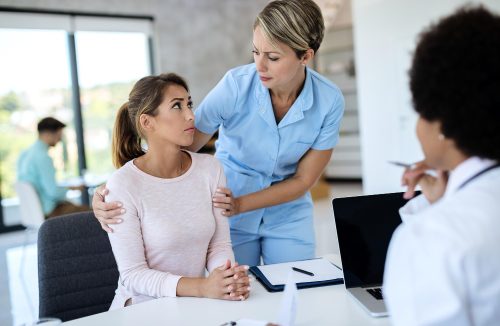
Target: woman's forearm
(191,287)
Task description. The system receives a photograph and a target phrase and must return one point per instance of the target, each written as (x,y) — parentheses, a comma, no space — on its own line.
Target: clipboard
(271,276)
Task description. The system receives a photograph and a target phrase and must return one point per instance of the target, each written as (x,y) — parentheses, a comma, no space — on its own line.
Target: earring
(441,137)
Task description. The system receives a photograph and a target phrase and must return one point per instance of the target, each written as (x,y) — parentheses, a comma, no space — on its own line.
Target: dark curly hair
(455,79)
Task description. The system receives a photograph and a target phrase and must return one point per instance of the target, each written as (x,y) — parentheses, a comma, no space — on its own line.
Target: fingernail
(119,220)
(122,211)
(246,267)
(119,205)
(242,298)
(235,276)
(249,288)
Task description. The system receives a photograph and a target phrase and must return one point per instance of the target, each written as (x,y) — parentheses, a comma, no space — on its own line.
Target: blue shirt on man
(256,152)
(36,167)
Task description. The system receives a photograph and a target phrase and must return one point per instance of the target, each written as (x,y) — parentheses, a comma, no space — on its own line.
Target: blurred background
(77,61)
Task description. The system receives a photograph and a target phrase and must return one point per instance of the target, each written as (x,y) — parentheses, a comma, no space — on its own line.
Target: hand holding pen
(433,186)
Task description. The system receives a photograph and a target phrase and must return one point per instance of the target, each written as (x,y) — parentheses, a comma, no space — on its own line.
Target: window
(109,64)
(41,76)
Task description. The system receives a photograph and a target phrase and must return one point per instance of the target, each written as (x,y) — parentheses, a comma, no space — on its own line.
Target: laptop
(364,228)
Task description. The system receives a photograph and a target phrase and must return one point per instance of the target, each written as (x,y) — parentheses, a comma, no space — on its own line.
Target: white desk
(329,305)
(90,183)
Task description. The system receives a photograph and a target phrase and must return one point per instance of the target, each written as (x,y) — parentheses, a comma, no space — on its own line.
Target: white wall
(198,39)
(385,34)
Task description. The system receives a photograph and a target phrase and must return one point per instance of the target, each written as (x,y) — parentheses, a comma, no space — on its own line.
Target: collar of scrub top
(303,103)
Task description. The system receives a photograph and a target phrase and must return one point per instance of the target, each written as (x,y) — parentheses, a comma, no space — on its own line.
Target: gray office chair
(77,272)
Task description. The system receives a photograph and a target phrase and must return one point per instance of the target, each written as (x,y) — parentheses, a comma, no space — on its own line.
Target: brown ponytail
(126,143)
(145,97)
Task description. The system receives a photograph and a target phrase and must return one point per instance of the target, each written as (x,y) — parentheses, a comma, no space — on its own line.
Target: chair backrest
(77,272)
(29,204)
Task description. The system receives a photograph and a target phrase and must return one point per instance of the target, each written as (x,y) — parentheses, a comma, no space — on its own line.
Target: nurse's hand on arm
(106,213)
(109,213)
(433,187)
(308,172)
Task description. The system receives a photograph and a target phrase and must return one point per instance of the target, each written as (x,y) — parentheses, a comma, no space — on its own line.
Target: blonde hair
(145,97)
(296,23)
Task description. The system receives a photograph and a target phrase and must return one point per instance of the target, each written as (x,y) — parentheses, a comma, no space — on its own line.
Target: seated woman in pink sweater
(170,232)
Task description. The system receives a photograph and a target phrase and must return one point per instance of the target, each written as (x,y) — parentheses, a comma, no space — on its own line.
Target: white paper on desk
(251,322)
(323,271)
(288,309)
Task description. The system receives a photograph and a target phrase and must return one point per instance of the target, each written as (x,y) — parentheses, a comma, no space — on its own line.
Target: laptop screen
(364,228)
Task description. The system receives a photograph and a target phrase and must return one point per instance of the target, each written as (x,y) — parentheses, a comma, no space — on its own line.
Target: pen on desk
(336,265)
(302,271)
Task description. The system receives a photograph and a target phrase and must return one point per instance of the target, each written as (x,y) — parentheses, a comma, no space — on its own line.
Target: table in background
(328,305)
(90,183)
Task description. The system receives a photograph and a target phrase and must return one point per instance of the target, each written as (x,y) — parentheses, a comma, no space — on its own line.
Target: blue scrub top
(254,151)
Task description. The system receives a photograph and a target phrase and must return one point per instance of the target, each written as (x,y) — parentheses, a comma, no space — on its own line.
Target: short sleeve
(218,106)
(329,134)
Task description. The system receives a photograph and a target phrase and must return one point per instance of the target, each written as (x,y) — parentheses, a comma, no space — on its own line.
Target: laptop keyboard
(376,293)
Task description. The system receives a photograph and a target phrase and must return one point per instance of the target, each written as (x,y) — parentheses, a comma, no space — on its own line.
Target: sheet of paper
(288,309)
(322,269)
(251,322)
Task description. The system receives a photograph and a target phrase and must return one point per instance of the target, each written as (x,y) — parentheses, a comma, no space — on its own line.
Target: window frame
(72,22)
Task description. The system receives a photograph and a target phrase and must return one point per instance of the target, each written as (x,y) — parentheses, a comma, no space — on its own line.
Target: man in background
(36,167)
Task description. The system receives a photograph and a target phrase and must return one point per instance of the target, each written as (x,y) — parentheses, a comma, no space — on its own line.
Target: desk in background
(90,183)
(329,305)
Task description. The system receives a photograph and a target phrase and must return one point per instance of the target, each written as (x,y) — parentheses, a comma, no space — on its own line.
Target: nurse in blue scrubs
(278,123)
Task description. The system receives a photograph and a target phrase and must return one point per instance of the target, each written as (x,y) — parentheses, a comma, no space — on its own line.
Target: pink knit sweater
(169,230)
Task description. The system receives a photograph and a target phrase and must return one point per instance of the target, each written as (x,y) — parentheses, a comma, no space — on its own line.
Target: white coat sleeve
(423,284)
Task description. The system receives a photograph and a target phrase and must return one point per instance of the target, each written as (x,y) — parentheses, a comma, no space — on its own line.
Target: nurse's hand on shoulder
(433,187)
(224,199)
(227,282)
(106,213)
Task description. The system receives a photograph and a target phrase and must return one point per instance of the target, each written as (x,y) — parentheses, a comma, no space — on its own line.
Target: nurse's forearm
(279,193)
(200,140)
(309,170)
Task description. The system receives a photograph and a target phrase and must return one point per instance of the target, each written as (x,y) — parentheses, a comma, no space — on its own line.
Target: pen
(404,165)
(412,166)
(336,265)
(302,271)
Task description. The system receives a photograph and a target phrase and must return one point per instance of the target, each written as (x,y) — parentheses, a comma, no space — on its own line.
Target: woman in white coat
(443,263)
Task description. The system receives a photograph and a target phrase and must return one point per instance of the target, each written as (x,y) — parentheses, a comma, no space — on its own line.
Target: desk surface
(329,305)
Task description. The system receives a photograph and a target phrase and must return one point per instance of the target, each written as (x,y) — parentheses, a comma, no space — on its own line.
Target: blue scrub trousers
(281,237)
